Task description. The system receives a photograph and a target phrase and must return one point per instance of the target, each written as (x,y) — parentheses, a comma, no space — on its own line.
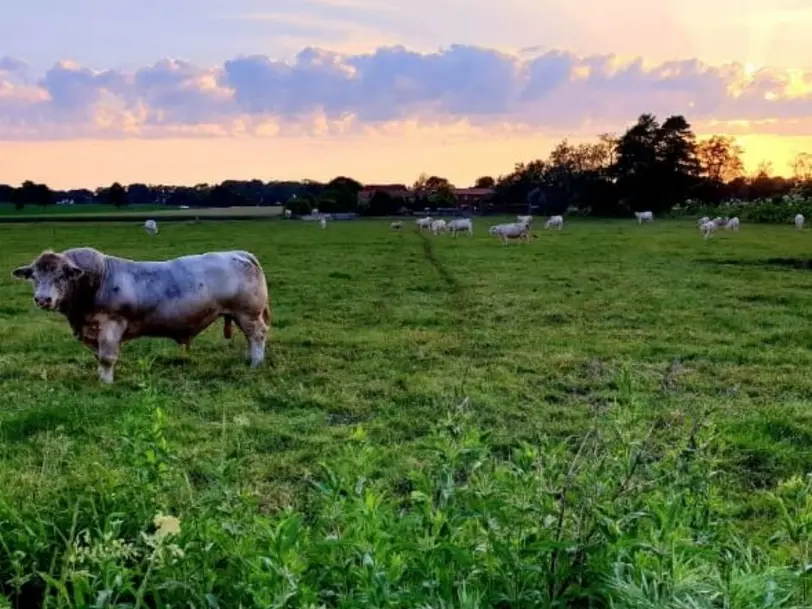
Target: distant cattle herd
(109,300)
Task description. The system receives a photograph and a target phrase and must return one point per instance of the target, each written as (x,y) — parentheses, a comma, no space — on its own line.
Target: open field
(613,412)
(96,211)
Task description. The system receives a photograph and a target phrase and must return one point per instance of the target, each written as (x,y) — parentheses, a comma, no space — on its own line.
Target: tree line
(653,166)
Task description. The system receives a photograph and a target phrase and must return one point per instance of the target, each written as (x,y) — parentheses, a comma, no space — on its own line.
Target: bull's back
(183,290)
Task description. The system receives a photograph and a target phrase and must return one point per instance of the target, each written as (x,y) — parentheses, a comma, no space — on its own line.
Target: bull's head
(52,275)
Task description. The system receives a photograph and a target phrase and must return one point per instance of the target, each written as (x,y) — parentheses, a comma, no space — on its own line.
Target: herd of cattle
(519,230)
(109,300)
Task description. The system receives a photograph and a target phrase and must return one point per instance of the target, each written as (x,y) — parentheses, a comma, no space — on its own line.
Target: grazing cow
(288,213)
(396,226)
(461,225)
(423,223)
(702,220)
(708,228)
(108,300)
(323,222)
(799,221)
(526,220)
(555,221)
(516,230)
(151,226)
(644,216)
(732,224)
(439,226)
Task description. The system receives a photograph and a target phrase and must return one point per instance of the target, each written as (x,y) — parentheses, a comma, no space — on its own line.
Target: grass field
(611,414)
(95,210)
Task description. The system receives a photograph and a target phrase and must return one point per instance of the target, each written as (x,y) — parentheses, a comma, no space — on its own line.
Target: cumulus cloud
(553,91)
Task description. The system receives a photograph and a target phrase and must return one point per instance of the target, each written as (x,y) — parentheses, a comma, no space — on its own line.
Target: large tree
(436,190)
(36,194)
(720,158)
(656,164)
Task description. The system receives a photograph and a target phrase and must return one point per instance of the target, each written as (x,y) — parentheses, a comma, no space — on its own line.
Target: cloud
(11,65)
(319,91)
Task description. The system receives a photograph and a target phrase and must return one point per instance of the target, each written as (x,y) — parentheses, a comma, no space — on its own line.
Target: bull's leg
(110,335)
(256,332)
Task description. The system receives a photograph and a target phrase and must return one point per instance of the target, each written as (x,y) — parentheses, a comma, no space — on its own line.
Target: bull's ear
(23,272)
(72,271)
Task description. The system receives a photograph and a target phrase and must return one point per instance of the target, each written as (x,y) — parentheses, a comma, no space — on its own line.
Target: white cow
(526,220)
(644,216)
(151,226)
(314,211)
(461,225)
(439,226)
(288,213)
(423,222)
(555,221)
(708,228)
(323,222)
(799,221)
(396,226)
(732,224)
(702,220)
(516,230)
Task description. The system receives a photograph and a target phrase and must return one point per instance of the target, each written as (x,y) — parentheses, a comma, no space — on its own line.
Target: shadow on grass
(75,421)
(791,263)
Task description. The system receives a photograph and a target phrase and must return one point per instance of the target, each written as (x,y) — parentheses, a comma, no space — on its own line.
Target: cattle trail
(463,308)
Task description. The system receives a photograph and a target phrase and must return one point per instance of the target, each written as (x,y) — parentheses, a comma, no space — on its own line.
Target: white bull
(423,223)
(708,228)
(461,225)
(151,226)
(799,221)
(555,221)
(108,300)
(644,216)
(439,226)
(505,232)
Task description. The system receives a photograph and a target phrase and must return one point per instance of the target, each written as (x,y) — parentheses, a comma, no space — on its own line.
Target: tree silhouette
(116,195)
(485,182)
(656,164)
(802,167)
(720,158)
(36,194)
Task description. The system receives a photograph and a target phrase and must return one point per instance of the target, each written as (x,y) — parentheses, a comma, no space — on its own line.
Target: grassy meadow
(95,210)
(611,416)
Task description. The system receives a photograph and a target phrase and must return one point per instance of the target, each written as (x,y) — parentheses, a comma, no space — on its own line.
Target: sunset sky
(188,91)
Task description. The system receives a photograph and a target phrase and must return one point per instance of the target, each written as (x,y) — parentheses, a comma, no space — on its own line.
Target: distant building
(473,196)
(396,191)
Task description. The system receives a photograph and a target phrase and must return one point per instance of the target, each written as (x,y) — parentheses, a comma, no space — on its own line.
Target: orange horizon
(90,164)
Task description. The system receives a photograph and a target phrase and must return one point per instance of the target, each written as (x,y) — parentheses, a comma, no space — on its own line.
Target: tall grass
(630,513)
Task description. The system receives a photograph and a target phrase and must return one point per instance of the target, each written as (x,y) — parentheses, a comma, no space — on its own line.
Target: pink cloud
(324,92)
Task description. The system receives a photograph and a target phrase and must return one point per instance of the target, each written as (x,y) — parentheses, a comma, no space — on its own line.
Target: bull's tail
(227,330)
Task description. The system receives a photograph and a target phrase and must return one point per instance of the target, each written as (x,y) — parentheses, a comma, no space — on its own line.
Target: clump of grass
(629,514)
